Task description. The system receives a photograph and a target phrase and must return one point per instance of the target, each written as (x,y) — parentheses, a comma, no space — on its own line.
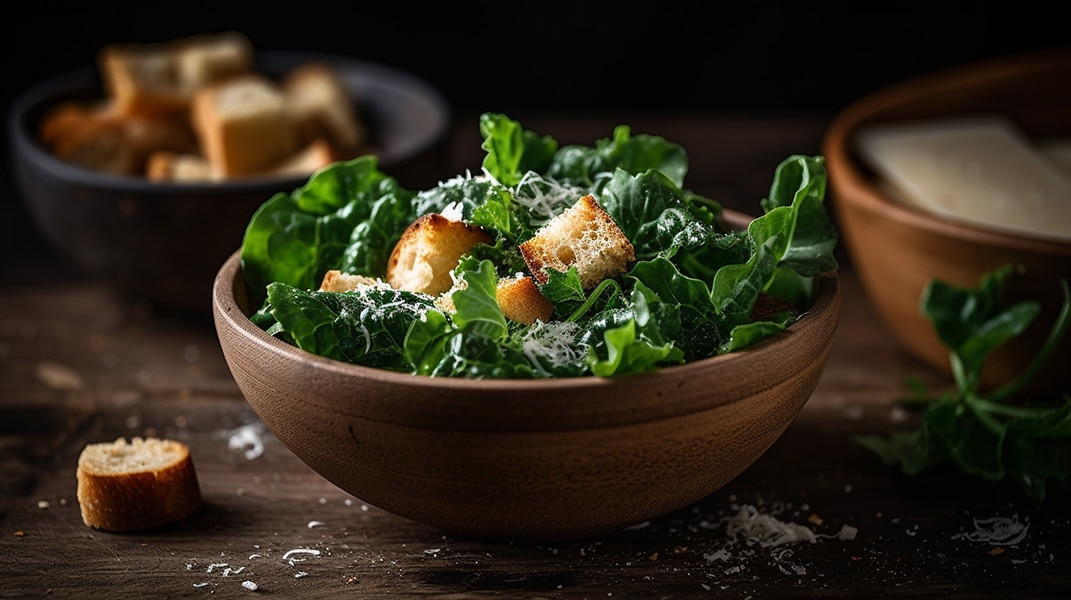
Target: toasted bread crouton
(136,485)
(243,126)
(337,281)
(91,137)
(175,167)
(160,79)
(518,297)
(313,157)
(521,301)
(143,79)
(211,57)
(428,251)
(96,136)
(321,106)
(584,236)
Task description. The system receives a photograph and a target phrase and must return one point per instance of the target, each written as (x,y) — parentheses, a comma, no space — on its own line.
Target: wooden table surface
(80,364)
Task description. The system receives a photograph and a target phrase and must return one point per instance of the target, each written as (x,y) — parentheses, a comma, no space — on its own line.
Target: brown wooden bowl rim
(852,185)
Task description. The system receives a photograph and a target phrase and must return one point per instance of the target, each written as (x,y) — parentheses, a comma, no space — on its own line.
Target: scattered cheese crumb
(290,553)
(765,530)
(247,436)
(316,524)
(999,531)
(249,585)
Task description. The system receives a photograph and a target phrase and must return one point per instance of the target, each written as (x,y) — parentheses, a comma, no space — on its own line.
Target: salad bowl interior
(527,460)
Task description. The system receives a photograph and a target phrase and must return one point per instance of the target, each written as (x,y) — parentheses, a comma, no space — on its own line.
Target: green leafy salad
(694,288)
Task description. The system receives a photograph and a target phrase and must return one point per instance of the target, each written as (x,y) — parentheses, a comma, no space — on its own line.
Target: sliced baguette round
(135,485)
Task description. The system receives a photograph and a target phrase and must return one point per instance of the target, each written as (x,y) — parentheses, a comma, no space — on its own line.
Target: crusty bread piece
(314,156)
(96,136)
(517,296)
(322,107)
(584,236)
(161,78)
(176,167)
(138,485)
(243,126)
(428,251)
(143,79)
(90,137)
(521,301)
(211,57)
(337,281)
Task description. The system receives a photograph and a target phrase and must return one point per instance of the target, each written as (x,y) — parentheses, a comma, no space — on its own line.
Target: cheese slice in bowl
(976,169)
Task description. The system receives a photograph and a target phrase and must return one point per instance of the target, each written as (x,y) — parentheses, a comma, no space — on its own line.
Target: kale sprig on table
(1001,434)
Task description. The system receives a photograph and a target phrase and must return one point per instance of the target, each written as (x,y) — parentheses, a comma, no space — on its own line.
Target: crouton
(164,165)
(96,136)
(211,57)
(337,281)
(160,79)
(584,236)
(243,126)
(321,107)
(313,157)
(521,301)
(428,252)
(143,79)
(518,297)
(91,138)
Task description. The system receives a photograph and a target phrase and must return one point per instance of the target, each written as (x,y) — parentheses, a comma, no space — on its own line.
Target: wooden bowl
(528,461)
(897,250)
(165,242)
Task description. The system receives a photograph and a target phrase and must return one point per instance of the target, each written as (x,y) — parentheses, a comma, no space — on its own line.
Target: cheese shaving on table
(768,531)
(247,436)
(765,530)
(998,531)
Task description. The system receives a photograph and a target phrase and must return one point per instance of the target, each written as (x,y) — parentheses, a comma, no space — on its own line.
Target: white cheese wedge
(977,169)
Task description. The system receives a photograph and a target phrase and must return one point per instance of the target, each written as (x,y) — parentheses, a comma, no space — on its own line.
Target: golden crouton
(521,301)
(584,236)
(321,106)
(164,165)
(337,281)
(518,297)
(428,252)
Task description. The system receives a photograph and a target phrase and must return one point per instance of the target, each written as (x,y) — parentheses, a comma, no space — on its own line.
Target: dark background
(622,57)
(800,57)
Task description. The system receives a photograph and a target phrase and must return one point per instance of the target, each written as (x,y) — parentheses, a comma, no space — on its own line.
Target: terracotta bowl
(527,461)
(897,250)
(165,242)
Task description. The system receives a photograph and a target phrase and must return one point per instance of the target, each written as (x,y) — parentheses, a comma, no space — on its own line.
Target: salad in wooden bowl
(606,347)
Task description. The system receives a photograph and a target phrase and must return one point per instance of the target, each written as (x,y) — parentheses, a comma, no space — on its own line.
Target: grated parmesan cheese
(998,531)
(765,530)
(544,197)
(247,436)
(552,343)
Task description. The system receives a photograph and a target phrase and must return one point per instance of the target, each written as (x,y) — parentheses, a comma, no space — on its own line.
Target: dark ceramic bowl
(527,460)
(165,242)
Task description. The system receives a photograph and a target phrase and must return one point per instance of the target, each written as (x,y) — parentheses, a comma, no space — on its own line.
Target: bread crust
(583,235)
(428,251)
(136,485)
(243,125)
